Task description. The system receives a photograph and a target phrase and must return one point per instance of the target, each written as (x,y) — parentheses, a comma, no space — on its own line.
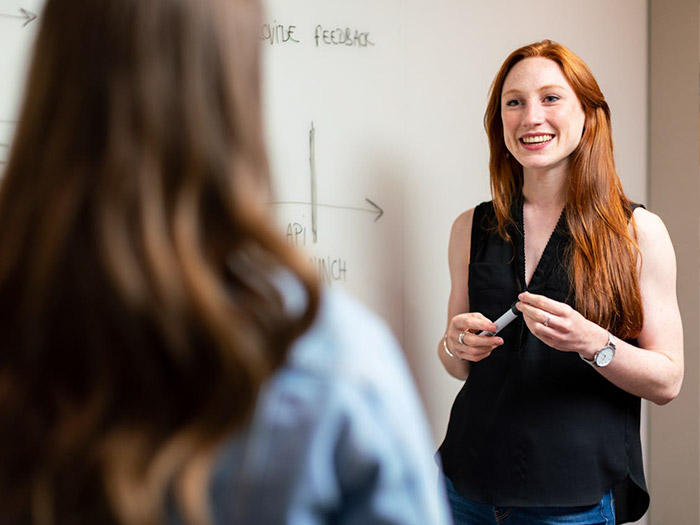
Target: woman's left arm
(654,370)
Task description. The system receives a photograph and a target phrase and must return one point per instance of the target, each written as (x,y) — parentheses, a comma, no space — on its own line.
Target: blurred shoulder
(342,410)
(346,338)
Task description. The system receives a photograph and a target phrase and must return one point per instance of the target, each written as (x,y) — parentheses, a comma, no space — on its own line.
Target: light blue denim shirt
(338,435)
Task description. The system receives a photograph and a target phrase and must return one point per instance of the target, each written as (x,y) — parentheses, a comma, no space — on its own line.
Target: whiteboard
(373,114)
(18,22)
(399,122)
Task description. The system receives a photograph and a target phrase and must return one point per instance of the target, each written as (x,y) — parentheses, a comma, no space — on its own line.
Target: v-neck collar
(549,255)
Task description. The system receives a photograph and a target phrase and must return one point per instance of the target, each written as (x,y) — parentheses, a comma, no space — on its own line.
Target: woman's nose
(533,115)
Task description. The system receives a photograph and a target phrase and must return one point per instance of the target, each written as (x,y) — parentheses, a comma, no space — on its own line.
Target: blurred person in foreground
(165,356)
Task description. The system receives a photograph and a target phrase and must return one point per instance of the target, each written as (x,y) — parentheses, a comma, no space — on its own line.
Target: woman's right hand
(457,357)
(473,347)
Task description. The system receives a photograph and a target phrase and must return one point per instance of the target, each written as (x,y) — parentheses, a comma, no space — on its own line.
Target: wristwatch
(604,356)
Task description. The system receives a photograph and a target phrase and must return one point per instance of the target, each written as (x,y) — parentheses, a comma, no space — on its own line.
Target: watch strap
(594,362)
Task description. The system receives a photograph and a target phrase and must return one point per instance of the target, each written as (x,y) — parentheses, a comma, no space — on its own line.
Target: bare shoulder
(649,225)
(655,246)
(460,241)
(651,230)
(463,224)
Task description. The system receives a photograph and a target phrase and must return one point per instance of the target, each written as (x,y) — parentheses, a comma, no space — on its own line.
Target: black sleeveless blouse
(533,426)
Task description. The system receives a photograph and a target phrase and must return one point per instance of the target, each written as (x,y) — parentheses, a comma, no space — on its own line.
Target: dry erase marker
(504,320)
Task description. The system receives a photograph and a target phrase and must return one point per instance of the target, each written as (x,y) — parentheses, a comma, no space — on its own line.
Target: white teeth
(537,139)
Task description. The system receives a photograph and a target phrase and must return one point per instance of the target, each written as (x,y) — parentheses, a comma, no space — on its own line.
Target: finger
(470,353)
(540,331)
(535,314)
(481,322)
(485,341)
(550,333)
(544,303)
(474,322)
(476,353)
(479,357)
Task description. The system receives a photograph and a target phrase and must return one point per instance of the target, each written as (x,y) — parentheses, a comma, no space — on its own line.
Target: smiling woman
(546,426)
(542,116)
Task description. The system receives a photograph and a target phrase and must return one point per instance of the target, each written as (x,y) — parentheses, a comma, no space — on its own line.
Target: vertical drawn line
(312,166)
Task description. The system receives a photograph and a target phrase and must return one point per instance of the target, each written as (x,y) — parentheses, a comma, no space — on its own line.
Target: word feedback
(341,37)
(283,34)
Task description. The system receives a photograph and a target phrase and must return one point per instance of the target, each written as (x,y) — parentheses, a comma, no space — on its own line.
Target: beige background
(674,446)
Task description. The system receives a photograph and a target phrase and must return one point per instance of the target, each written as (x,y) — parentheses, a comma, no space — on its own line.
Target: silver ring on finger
(546,321)
(461,337)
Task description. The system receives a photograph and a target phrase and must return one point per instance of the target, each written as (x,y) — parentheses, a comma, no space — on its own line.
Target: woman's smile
(535,141)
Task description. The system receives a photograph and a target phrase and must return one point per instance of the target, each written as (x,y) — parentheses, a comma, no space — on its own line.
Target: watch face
(604,356)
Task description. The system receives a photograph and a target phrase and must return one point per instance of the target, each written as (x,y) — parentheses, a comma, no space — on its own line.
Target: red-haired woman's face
(542,116)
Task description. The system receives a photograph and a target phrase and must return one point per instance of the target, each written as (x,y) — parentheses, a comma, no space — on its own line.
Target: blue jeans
(467,512)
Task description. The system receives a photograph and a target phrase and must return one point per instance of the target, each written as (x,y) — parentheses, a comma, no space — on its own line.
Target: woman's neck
(545,189)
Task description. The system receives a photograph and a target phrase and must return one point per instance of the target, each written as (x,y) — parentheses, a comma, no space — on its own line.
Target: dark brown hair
(603,258)
(138,310)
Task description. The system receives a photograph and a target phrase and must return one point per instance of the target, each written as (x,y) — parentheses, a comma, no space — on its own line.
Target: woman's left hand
(559,325)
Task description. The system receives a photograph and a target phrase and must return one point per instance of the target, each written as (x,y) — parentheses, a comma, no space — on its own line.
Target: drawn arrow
(25,15)
(378,211)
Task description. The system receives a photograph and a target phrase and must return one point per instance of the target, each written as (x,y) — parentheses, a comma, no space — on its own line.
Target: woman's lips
(536,140)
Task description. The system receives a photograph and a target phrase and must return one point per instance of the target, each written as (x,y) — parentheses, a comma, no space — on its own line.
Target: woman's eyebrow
(516,91)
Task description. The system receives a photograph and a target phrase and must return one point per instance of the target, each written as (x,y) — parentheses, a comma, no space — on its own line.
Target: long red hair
(603,254)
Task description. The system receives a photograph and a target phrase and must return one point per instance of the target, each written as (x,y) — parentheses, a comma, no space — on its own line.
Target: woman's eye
(551,98)
(513,103)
